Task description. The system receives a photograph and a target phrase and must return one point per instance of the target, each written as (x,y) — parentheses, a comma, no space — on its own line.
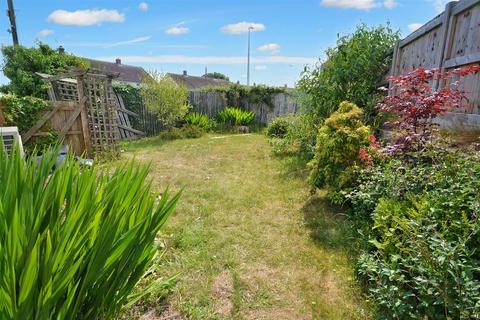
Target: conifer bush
(74,241)
(339,141)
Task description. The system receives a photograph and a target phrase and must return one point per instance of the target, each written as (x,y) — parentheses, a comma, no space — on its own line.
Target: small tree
(163,96)
(416,104)
(217,75)
(20,65)
(339,141)
(352,71)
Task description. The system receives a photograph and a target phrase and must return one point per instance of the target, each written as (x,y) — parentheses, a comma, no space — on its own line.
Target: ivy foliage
(235,94)
(24,113)
(21,63)
(352,71)
(337,150)
(217,75)
(133,101)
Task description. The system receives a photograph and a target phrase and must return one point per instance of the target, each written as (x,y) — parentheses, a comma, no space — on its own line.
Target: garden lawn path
(247,240)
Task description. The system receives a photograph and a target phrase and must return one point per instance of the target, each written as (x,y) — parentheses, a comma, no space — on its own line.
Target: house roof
(196,83)
(131,74)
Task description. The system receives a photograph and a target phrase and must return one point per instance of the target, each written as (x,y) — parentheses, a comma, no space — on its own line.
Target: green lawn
(247,239)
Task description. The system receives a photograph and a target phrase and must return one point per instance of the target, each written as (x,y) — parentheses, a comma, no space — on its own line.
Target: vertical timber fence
(211,102)
(450,40)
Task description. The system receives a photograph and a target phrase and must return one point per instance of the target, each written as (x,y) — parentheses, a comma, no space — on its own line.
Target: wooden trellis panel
(62,117)
(102,115)
(101,111)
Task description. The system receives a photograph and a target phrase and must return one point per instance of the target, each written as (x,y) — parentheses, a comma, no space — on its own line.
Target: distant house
(194,83)
(131,75)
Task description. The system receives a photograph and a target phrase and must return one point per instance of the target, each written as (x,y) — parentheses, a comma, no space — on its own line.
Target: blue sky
(177,35)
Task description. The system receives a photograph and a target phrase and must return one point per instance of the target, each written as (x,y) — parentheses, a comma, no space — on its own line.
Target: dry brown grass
(247,239)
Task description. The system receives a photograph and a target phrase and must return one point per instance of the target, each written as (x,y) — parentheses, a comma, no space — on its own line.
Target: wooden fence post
(83,116)
(446,41)
(2,117)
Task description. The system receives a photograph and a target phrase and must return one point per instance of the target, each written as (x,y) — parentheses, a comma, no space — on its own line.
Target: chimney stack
(184,73)
(118,61)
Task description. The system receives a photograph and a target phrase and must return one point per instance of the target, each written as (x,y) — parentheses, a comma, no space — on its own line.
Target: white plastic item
(10,137)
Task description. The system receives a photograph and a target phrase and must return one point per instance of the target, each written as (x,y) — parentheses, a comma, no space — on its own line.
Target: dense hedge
(353,70)
(424,234)
(24,113)
(21,63)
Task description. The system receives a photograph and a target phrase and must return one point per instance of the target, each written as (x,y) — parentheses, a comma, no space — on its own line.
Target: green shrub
(165,98)
(293,135)
(191,131)
(171,134)
(74,242)
(278,127)
(200,120)
(352,71)
(424,235)
(20,65)
(337,149)
(235,117)
(188,131)
(24,113)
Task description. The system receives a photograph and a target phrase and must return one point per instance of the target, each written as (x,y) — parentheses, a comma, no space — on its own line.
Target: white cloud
(181,59)
(270,47)
(414,26)
(143,6)
(242,27)
(359,4)
(85,17)
(390,4)
(45,32)
(260,68)
(439,5)
(127,42)
(176,30)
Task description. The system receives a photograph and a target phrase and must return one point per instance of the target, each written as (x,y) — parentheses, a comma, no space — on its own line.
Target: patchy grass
(247,240)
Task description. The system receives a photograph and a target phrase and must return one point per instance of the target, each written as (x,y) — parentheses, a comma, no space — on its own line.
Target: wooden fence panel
(210,103)
(451,40)
(74,134)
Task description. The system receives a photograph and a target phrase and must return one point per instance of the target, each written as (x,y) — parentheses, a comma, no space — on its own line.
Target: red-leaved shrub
(417,104)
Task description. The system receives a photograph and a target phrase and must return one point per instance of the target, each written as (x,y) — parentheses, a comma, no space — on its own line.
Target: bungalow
(195,83)
(131,75)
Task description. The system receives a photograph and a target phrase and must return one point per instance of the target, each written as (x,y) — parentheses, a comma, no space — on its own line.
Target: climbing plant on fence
(24,113)
(234,94)
(133,102)
(21,63)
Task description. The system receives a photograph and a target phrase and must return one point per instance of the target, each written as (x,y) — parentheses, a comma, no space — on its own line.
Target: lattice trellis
(102,112)
(93,91)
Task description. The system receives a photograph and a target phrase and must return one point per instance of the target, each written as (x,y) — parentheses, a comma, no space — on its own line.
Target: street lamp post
(248,57)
